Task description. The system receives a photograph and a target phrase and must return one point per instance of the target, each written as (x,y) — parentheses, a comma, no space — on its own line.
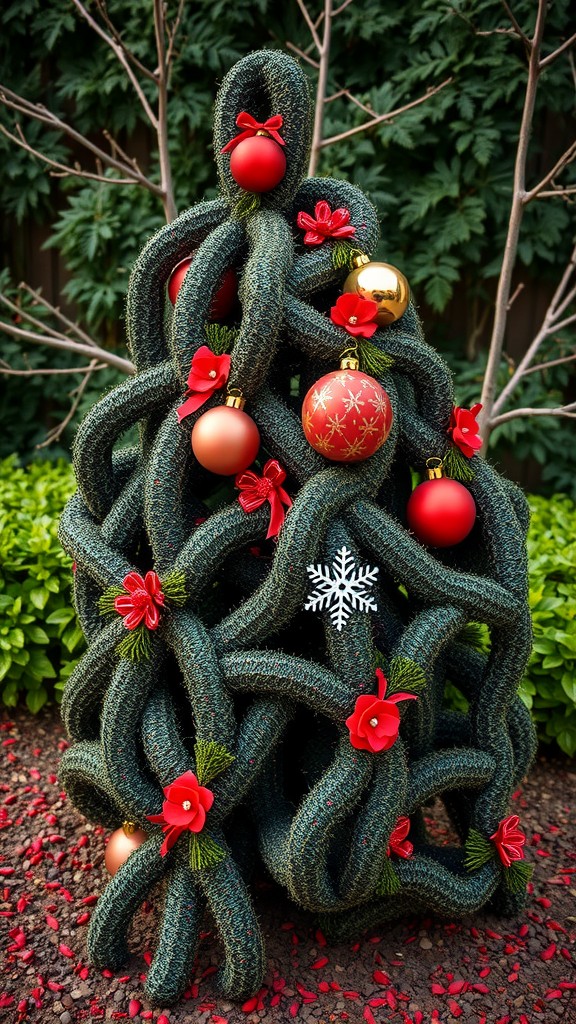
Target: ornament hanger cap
(360,259)
(235,399)
(434,468)
(349,359)
(128,827)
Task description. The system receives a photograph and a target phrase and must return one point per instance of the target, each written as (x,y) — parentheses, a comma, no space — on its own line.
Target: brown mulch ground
(477,971)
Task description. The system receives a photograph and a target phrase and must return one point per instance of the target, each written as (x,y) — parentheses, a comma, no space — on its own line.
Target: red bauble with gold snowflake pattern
(346,415)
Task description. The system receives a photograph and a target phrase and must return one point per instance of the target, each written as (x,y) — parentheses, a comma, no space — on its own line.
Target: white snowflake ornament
(341,588)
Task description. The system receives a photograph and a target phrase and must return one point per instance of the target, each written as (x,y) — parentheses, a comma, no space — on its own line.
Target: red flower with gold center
(375,723)
(184,809)
(464,430)
(355,315)
(142,602)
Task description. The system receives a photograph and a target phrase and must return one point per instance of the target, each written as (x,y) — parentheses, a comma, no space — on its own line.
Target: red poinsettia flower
(375,722)
(184,809)
(355,315)
(326,225)
(509,840)
(398,843)
(142,602)
(208,373)
(464,429)
(268,487)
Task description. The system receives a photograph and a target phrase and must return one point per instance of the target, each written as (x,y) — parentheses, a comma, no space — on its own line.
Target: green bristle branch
(457,466)
(174,588)
(220,338)
(136,645)
(405,674)
(204,852)
(107,599)
(389,883)
(211,759)
(372,359)
(478,851)
(517,876)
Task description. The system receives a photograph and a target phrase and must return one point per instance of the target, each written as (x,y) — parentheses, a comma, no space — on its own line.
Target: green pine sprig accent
(221,339)
(380,661)
(517,876)
(136,645)
(204,852)
(246,206)
(372,359)
(476,635)
(405,674)
(174,587)
(106,600)
(211,759)
(457,466)
(343,254)
(478,851)
(389,883)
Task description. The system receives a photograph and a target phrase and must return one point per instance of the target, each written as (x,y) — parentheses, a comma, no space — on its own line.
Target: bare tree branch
(341,8)
(7,371)
(57,312)
(386,117)
(303,56)
(556,53)
(103,11)
(516,27)
(311,24)
(353,99)
(69,345)
(519,288)
(162,123)
(56,433)
(567,157)
(120,51)
(511,245)
(172,33)
(40,113)
(550,324)
(561,410)
(324,54)
(547,365)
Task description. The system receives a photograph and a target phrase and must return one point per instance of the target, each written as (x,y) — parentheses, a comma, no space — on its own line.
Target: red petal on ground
(323,986)
(83,918)
(66,951)
(318,964)
(294,1009)
(381,978)
(368,1015)
(549,952)
(553,993)
(52,922)
(250,1005)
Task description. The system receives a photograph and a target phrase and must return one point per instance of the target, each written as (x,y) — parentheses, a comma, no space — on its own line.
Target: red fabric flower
(509,840)
(143,600)
(375,722)
(464,429)
(208,373)
(258,489)
(252,126)
(184,809)
(326,225)
(355,315)
(398,843)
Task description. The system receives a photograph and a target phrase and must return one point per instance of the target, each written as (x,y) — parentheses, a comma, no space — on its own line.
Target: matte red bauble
(346,415)
(258,164)
(121,844)
(224,297)
(226,440)
(440,511)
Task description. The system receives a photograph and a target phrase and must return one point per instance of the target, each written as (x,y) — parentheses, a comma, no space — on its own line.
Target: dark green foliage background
(440,174)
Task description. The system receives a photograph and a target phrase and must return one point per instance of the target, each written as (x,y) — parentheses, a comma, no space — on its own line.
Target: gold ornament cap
(434,468)
(235,399)
(128,827)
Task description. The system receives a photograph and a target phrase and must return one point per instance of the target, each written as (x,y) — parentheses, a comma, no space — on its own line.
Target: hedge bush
(40,640)
(549,687)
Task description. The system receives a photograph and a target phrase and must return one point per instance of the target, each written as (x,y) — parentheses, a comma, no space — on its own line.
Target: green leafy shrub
(549,687)
(40,639)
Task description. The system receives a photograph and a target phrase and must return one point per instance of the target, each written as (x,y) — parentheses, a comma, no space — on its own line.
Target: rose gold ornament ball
(225,440)
(120,845)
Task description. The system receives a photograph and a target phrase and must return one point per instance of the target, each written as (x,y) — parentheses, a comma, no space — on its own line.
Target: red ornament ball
(346,416)
(224,297)
(225,440)
(441,512)
(258,164)
(120,845)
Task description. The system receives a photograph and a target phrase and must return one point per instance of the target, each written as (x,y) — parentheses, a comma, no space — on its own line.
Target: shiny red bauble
(121,844)
(441,512)
(225,440)
(346,416)
(224,297)
(258,164)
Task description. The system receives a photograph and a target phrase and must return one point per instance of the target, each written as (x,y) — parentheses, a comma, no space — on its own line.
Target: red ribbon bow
(258,489)
(208,373)
(252,126)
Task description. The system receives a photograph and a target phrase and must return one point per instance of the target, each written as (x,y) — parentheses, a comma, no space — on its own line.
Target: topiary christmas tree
(272,624)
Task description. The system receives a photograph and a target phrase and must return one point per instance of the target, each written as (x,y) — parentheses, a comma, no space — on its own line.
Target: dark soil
(477,971)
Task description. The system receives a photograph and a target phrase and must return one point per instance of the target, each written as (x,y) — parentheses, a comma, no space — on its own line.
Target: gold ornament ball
(383,284)
(121,844)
